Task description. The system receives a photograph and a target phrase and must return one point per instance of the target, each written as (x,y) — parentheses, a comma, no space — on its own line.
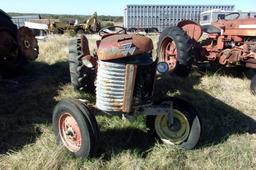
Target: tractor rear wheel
(17,46)
(75,127)
(253,85)
(174,48)
(82,77)
(9,53)
(10,61)
(186,129)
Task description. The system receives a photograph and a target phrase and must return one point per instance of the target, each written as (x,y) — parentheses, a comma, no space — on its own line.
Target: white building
(20,20)
(162,16)
(208,17)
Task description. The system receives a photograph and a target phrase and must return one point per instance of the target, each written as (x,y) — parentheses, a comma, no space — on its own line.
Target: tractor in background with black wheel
(230,43)
(122,75)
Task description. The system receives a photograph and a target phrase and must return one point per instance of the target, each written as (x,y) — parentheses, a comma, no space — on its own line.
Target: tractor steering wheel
(234,13)
(112,30)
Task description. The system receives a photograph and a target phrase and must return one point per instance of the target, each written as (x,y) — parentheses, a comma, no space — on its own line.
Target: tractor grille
(110,86)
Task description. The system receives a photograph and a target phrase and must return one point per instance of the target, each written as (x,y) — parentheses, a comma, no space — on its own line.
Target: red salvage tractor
(123,75)
(229,42)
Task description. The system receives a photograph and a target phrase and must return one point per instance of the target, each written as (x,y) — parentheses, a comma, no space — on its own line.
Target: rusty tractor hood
(123,45)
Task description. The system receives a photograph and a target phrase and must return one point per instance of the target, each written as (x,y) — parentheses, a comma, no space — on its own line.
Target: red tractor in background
(228,42)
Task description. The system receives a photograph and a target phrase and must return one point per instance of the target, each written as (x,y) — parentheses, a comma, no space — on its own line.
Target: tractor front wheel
(185,130)
(75,127)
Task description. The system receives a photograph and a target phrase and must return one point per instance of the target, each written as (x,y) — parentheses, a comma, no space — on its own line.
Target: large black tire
(253,85)
(183,49)
(186,130)
(10,60)
(75,127)
(6,22)
(82,77)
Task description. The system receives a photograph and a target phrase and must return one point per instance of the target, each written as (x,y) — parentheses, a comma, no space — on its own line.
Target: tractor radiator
(115,86)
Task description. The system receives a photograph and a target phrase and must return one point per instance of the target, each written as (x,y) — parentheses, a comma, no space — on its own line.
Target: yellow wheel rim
(175,134)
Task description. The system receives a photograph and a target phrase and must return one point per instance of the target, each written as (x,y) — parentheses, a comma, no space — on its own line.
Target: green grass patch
(223,102)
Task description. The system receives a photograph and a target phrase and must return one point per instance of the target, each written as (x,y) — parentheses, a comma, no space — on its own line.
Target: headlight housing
(162,67)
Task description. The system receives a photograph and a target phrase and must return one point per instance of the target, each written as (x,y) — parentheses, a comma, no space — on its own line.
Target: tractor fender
(28,45)
(193,29)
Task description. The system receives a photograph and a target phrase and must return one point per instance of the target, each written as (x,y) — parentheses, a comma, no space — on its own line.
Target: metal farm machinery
(228,42)
(123,75)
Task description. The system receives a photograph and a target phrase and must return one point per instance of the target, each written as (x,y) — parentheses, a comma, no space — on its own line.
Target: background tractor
(17,46)
(123,75)
(227,42)
(91,25)
(60,27)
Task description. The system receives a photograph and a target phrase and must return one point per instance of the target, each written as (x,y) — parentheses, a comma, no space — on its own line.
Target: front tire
(253,85)
(174,47)
(75,127)
(186,130)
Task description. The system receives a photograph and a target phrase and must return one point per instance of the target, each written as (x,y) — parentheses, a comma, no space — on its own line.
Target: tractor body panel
(237,27)
(123,45)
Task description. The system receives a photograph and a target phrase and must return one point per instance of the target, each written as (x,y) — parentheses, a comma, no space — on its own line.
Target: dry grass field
(223,101)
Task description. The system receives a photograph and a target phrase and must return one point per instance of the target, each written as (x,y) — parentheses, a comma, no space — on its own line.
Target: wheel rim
(169,53)
(70,132)
(176,134)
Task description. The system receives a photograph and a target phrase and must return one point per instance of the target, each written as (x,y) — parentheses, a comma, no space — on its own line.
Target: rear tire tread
(78,70)
(183,45)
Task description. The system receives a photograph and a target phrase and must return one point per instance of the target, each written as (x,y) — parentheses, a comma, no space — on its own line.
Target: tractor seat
(210,29)
(119,46)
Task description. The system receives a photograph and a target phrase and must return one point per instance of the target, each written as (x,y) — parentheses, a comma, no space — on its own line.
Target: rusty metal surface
(130,77)
(87,59)
(85,45)
(241,27)
(123,45)
(236,43)
(28,45)
(110,85)
(250,65)
(193,30)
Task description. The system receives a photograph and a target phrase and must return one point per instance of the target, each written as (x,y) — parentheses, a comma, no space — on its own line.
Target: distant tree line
(66,18)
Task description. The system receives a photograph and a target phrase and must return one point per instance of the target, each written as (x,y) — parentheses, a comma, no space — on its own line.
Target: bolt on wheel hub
(177,133)
(70,132)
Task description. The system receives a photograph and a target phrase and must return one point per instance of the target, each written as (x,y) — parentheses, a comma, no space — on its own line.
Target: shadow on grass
(236,72)
(219,120)
(28,100)
(114,141)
